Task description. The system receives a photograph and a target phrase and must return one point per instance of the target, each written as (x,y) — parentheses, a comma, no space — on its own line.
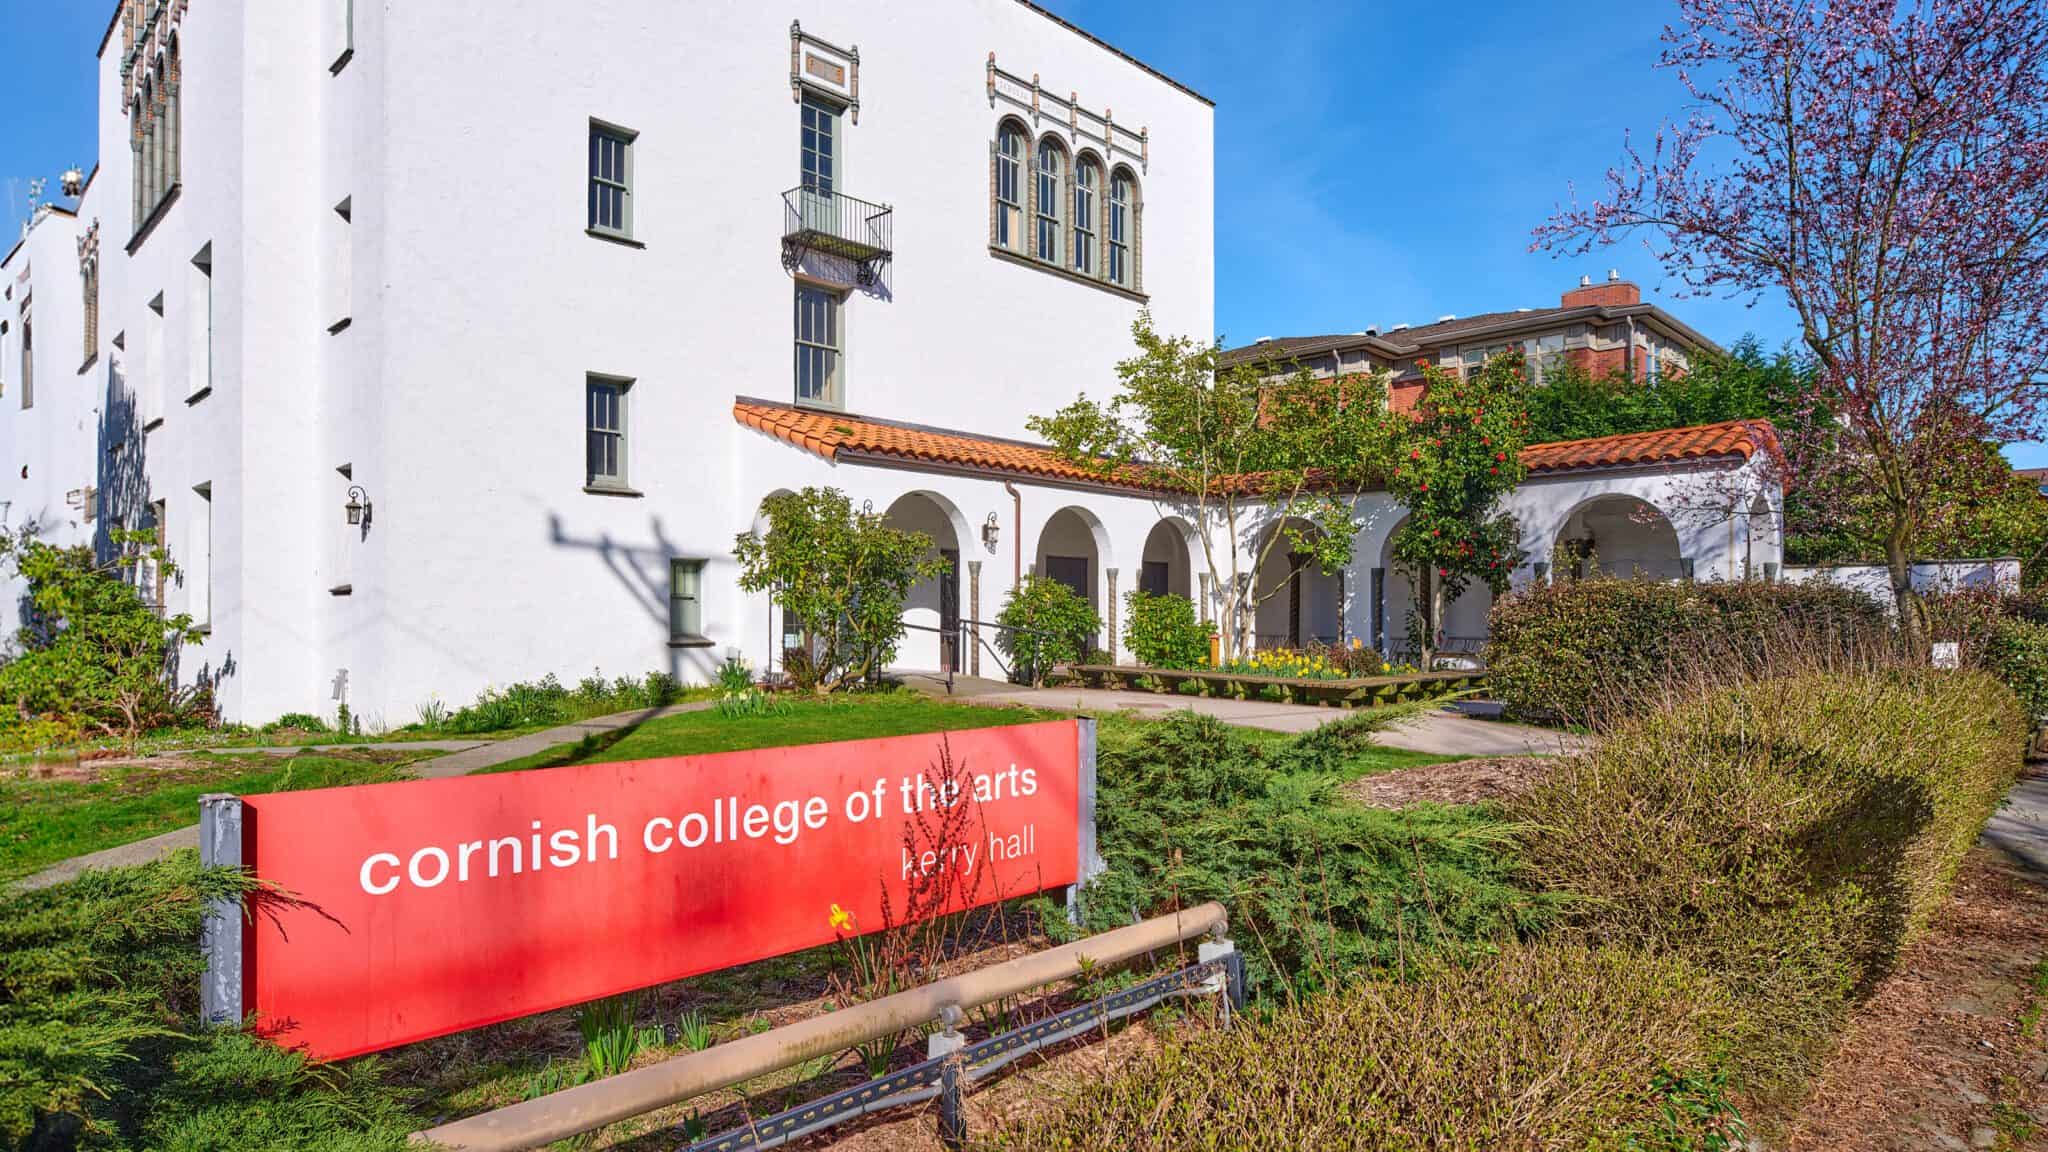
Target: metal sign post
(220,845)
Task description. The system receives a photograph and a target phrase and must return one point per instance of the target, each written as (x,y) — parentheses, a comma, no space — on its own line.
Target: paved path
(467,756)
(295,749)
(2018,832)
(1446,731)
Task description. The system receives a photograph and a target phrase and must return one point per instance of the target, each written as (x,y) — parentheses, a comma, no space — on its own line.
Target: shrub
(1786,835)
(1162,632)
(538,703)
(296,722)
(101,1047)
(1192,810)
(1570,650)
(1543,1047)
(1044,623)
(840,577)
(2016,651)
(94,656)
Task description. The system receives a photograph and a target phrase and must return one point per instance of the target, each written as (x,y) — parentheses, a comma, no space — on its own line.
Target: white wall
(2001,574)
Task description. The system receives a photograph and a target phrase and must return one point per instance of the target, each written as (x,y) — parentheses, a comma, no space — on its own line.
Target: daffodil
(841,920)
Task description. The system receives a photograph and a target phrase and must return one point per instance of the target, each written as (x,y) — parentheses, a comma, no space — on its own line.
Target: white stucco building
(449,345)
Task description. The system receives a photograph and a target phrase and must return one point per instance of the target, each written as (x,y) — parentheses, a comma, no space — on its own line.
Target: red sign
(440,905)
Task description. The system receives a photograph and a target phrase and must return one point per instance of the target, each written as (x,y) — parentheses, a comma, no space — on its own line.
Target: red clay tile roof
(1733,438)
(835,436)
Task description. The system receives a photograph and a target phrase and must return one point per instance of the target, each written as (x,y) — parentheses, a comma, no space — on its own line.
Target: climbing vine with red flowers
(1449,466)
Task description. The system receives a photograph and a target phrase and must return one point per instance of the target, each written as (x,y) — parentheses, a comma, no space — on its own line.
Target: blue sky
(1376,162)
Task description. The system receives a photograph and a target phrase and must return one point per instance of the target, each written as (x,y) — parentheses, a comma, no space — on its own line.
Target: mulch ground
(1455,782)
(1951,1052)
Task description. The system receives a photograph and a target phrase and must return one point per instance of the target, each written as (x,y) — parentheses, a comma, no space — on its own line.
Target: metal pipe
(585,1107)
(1016,534)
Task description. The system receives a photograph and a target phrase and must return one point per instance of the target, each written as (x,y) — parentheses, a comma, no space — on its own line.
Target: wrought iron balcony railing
(838,225)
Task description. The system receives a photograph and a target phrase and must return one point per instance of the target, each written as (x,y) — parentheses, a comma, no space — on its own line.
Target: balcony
(839,227)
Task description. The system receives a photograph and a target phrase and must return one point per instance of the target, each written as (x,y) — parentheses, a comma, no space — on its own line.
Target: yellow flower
(841,920)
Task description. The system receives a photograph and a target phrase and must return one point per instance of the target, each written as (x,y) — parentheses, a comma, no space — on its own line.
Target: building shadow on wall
(642,570)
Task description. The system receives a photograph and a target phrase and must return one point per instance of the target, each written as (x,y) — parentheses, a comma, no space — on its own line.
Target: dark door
(1073,572)
(949,611)
(1152,577)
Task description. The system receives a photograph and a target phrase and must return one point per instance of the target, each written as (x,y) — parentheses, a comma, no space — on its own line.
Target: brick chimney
(1615,293)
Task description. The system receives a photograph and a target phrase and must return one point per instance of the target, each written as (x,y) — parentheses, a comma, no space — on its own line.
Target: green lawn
(44,820)
(798,721)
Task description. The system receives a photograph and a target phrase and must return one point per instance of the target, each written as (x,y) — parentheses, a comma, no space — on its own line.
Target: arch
(1007,191)
(1048,198)
(1087,213)
(1072,548)
(933,603)
(1298,603)
(1617,534)
(1170,560)
(1122,227)
(1463,629)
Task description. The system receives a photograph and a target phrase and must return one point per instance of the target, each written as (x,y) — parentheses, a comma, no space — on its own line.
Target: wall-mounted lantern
(991,531)
(358,506)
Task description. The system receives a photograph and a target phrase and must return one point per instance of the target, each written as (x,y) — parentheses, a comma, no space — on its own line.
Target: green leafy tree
(95,657)
(842,576)
(1449,465)
(1044,623)
(1238,448)
(1744,383)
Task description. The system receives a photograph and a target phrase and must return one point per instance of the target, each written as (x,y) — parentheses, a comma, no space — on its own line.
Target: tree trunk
(1426,603)
(1912,622)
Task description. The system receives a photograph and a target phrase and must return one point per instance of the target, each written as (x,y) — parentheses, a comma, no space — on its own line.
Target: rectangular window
(198,560)
(820,145)
(199,315)
(817,346)
(686,601)
(152,568)
(604,454)
(340,264)
(611,180)
(28,361)
(91,286)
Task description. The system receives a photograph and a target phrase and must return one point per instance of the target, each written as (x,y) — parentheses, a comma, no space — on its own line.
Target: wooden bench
(1357,692)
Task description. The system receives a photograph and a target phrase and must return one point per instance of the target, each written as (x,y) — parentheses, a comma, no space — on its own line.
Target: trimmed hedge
(2016,651)
(1734,871)
(1789,835)
(1542,1047)
(1573,649)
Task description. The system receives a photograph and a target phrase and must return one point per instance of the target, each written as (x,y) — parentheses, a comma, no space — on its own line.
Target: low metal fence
(950,1068)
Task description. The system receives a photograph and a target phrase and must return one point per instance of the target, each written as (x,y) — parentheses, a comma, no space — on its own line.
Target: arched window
(135,161)
(173,152)
(1123,200)
(1087,184)
(1010,186)
(1051,167)
(152,144)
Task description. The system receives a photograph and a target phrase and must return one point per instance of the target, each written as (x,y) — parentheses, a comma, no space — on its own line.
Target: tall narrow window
(686,602)
(340,265)
(820,146)
(817,346)
(174,148)
(90,285)
(1121,193)
(1087,181)
(1010,187)
(344,34)
(199,315)
(611,180)
(152,568)
(198,559)
(28,361)
(1050,168)
(604,451)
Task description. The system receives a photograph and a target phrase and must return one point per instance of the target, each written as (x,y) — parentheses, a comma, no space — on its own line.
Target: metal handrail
(837,223)
(586,1107)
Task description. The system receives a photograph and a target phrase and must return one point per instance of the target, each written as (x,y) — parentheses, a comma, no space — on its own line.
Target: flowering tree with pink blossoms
(1881,165)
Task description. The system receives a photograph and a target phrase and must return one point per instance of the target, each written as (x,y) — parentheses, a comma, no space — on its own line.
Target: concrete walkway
(2018,832)
(464,757)
(1447,731)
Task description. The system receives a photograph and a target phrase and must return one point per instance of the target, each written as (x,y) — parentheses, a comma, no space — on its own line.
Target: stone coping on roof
(838,436)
